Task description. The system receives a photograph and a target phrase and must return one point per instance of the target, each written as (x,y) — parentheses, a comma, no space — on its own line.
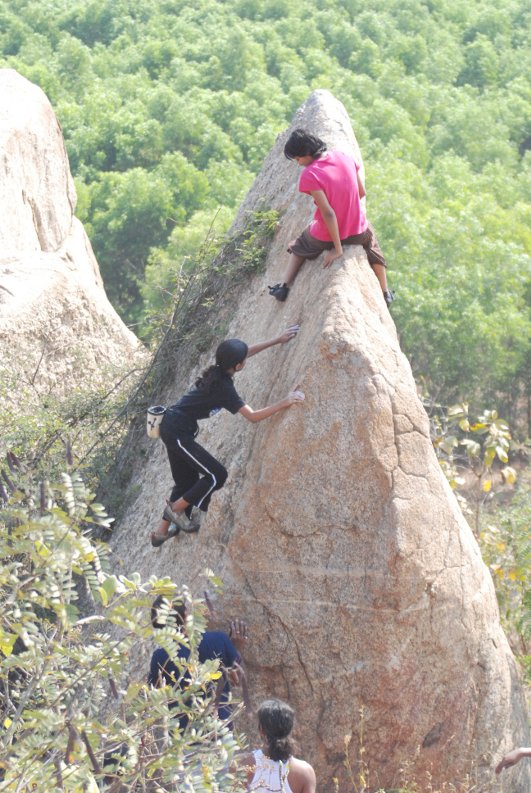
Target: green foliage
(73,718)
(474,455)
(506,549)
(484,442)
(188,247)
(81,429)
(252,243)
(180,276)
(134,210)
(168,110)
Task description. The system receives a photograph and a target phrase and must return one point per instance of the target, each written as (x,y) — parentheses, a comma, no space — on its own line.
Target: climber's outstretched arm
(259,415)
(513,757)
(288,334)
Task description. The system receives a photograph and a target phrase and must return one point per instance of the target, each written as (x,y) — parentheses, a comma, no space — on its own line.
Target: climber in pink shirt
(333,181)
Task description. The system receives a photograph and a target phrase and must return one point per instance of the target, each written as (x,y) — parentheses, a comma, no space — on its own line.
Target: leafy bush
(73,716)
(181,275)
(48,429)
(474,455)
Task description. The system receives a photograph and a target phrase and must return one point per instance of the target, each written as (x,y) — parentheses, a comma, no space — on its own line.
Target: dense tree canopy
(169,108)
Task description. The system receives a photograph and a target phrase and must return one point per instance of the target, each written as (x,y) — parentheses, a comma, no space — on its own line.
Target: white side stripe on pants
(203,467)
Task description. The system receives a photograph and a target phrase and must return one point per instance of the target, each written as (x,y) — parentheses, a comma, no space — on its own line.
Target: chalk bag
(155,415)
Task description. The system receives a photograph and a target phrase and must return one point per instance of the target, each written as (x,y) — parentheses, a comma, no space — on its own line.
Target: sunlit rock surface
(57,328)
(337,536)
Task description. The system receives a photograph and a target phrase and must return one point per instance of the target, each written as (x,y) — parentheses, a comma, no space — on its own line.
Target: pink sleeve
(308,182)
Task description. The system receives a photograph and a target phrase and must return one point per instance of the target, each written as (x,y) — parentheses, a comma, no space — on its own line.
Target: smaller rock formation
(57,328)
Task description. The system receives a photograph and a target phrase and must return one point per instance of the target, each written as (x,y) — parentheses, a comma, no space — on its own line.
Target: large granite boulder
(337,536)
(57,328)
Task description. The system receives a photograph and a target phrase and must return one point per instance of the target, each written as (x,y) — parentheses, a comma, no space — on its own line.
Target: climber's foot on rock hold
(389,296)
(279,291)
(158,539)
(191,524)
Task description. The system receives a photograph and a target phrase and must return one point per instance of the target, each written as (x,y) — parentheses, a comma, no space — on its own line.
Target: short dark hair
(276,719)
(174,609)
(301,144)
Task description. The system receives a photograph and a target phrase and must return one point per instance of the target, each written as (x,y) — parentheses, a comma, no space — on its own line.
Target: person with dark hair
(333,180)
(274,769)
(196,473)
(214,645)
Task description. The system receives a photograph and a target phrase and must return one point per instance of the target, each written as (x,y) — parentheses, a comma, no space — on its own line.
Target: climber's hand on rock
(235,674)
(288,334)
(331,256)
(238,633)
(295,396)
(512,758)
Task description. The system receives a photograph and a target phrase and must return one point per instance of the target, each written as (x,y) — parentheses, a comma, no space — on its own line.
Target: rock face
(337,536)
(56,325)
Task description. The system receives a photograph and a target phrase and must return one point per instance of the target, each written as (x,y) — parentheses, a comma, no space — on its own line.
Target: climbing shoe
(388,297)
(184,522)
(169,514)
(159,539)
(192,523)
(279,292)
(178,519)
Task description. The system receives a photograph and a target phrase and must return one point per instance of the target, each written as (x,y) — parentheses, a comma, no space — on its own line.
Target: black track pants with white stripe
(195,472)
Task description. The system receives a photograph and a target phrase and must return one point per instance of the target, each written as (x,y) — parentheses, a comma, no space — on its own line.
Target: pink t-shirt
(336,174)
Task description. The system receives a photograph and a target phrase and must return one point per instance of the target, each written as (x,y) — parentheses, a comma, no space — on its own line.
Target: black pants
(195,472)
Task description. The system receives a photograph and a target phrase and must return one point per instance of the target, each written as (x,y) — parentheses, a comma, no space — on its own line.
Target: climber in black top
(195,472)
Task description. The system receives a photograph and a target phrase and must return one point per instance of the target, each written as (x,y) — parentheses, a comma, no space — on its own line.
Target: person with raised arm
(196,473)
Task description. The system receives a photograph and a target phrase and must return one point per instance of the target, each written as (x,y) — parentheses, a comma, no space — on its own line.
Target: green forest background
(169,108)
